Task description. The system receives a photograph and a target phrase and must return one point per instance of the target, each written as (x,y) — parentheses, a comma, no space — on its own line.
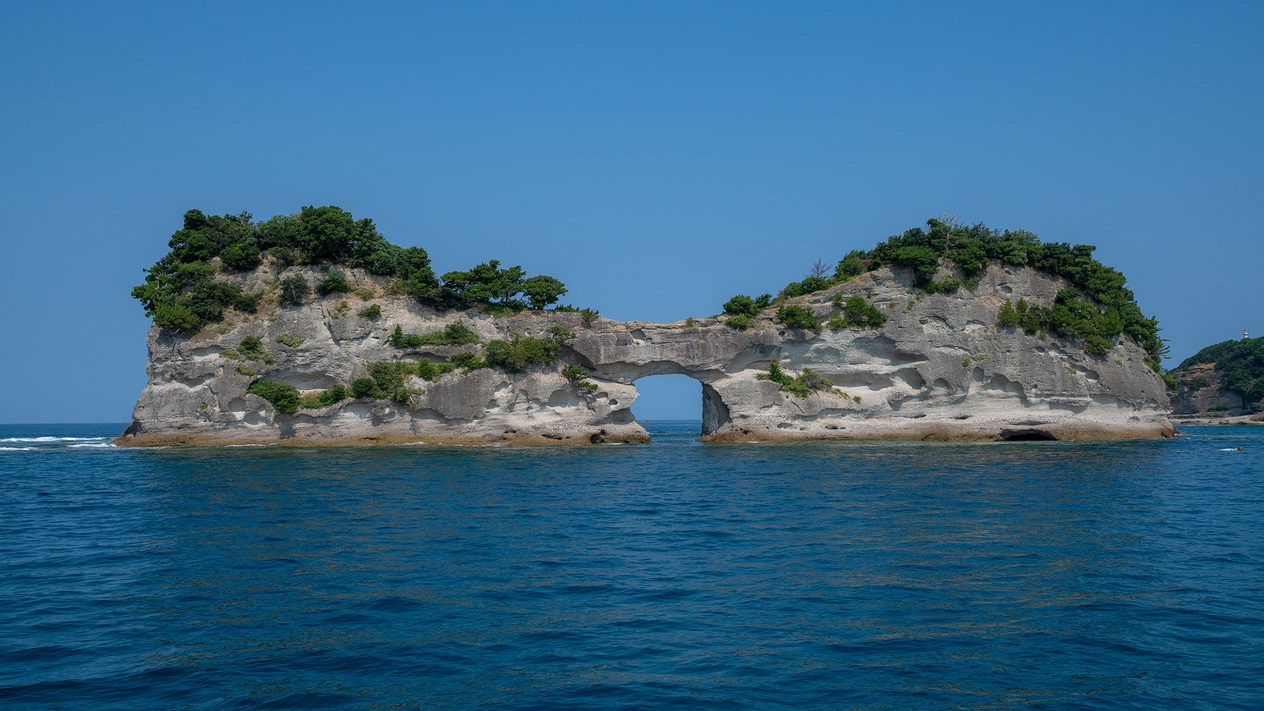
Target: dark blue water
(830,575)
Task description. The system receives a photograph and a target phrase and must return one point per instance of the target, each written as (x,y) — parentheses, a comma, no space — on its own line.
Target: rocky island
(313,329)
(1220,384)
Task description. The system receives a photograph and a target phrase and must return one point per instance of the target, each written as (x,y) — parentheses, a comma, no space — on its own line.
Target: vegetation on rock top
(1097,310)
(182,294)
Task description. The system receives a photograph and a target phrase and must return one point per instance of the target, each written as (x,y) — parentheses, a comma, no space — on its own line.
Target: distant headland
(1220,384)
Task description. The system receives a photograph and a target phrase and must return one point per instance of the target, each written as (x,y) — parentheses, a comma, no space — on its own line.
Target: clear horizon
(656,157)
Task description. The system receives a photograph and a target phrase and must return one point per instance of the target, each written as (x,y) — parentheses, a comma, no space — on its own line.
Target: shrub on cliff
(363,387)
(293,290)
(389,377)
(1071,316)
(743,305)
(246,303)
(335,283)
(808,382)
(579,377)
(561,334)
(1030,318)
(521,352)
(241,256)
(922,259)
(453,334)
(251,348)
(468,361)
(947,285)
(330,396)
(429,370)
(1008,316)
(809,285)
(857,312)
(853,265)
(800,317)
(283,397)
(177,317)
(185,296)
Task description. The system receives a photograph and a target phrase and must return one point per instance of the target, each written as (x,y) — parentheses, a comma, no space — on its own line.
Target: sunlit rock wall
(939,369)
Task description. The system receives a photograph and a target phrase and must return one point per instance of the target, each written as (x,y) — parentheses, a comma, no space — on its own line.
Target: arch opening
(673,399)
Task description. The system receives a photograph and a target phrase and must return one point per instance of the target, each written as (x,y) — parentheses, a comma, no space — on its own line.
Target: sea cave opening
(668,402)
(1026,436)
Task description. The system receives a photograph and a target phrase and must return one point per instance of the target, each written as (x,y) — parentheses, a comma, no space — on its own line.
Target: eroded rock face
(939,369)
(1200,389)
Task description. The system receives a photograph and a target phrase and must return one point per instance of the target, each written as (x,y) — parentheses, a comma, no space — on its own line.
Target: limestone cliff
(940,368)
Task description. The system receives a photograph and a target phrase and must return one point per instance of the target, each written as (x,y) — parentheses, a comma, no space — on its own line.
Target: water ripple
(826,575)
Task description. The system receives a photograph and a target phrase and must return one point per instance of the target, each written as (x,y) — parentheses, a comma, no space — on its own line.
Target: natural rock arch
(939,368)
(713,413)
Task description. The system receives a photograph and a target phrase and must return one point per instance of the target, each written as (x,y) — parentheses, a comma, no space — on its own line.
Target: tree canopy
(489,283)
(181,291)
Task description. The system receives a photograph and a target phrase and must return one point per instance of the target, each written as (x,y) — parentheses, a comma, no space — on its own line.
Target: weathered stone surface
(939,369)
(1200,388)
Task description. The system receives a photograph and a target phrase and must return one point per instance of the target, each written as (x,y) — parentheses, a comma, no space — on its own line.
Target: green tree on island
(183,292)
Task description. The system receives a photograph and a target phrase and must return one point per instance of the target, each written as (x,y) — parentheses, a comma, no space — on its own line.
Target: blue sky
(658,157)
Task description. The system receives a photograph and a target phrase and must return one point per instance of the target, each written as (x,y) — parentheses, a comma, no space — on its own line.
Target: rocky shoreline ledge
(1212,419)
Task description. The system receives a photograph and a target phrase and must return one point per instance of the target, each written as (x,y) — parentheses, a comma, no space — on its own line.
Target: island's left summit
(312,328)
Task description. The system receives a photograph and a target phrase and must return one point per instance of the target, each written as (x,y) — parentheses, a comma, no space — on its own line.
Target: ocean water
(1046,575)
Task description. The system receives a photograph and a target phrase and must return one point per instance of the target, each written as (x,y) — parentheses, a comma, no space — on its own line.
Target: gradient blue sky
(658,157)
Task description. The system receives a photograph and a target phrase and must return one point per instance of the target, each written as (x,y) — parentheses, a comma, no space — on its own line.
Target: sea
(678,574)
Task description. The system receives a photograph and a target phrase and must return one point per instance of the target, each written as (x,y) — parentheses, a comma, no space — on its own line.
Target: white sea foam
(53,439)
(52,442)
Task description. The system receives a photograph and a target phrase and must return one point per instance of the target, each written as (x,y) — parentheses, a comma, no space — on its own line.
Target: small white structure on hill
(1245,334)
